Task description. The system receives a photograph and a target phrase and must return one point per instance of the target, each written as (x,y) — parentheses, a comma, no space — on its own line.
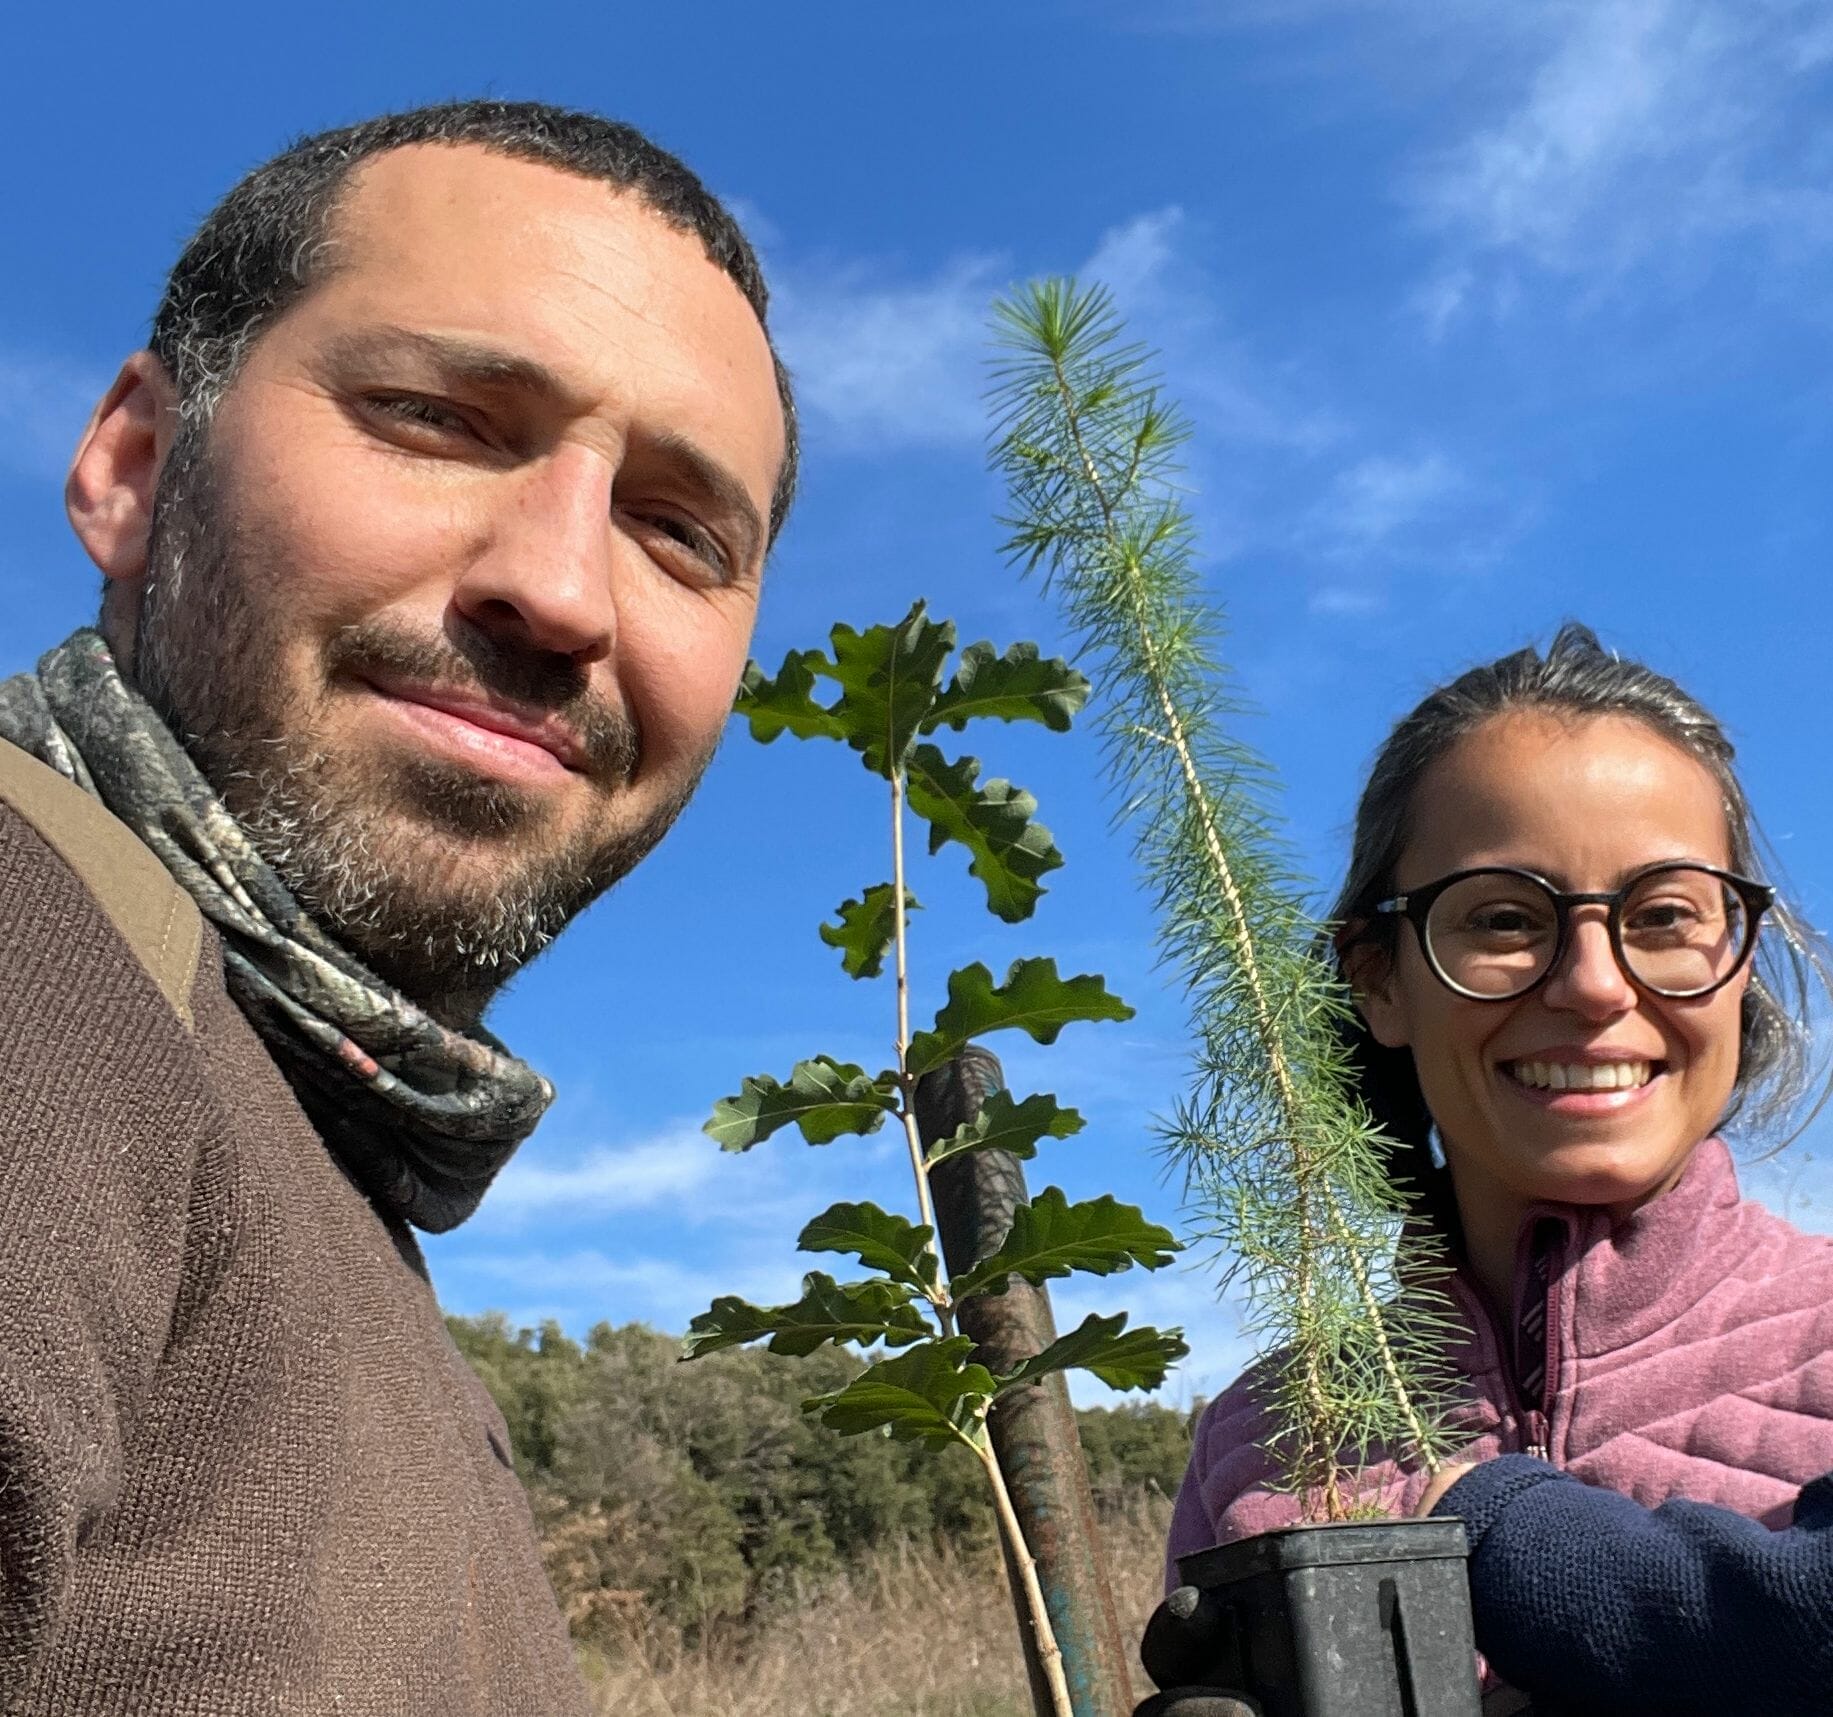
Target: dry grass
(913,1633)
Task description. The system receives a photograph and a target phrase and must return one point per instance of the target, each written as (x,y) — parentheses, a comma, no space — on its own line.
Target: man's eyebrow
(720,485)
(484,365)
(471,361)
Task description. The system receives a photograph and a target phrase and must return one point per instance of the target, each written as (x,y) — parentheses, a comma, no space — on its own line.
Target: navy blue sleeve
(1584,1597)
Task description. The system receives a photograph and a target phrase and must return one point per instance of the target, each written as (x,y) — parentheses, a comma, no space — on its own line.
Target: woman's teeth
(1582,1076)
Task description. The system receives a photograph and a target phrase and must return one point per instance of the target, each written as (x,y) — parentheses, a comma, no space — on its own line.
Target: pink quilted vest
(1688,1352)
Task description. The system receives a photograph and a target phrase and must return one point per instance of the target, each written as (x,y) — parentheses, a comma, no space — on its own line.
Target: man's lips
(497,735)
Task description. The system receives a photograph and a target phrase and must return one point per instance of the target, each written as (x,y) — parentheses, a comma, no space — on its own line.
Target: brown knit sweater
(242,1467)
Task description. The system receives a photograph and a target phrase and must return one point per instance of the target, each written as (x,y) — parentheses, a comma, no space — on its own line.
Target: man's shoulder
(146,908)
(105,1089)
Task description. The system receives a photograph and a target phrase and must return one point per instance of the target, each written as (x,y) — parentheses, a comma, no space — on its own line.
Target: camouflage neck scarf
(421,1116)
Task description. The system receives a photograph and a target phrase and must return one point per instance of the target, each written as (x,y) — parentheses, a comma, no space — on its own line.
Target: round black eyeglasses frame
(1416,903)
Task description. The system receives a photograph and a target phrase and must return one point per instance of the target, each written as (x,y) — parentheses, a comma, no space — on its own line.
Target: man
(432,526)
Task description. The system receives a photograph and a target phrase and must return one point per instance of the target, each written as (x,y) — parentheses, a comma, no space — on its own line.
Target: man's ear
(1370,972)
(109,492)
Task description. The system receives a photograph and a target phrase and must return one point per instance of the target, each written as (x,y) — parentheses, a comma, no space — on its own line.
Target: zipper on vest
(1556,1258)
(1529,1423)
(1545,1251)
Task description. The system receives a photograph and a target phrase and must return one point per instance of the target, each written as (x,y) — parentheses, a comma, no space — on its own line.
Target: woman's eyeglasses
(1493,934)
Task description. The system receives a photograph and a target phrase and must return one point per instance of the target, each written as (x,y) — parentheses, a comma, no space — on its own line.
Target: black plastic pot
(1341,1620)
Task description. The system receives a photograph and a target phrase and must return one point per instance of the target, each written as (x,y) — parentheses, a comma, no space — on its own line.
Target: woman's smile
(1588,1088)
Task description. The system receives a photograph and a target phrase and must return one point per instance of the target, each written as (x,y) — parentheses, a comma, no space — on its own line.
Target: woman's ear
(1369,970)
(109,492)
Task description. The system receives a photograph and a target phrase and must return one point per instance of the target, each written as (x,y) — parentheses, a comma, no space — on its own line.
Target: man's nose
(1589,980)
(543,576)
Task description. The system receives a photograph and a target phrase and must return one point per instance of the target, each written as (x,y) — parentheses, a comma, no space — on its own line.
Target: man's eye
(418,411)
(699,543)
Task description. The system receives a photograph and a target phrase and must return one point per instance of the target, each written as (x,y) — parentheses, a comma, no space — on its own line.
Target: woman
(1551,929)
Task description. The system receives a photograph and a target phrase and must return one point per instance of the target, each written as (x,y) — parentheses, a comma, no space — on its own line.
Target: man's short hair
(264,244)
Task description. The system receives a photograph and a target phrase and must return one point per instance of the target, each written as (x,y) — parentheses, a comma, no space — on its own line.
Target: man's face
(451,604)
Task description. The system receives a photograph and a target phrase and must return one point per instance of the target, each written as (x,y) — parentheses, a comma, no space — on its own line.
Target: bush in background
(701,1496)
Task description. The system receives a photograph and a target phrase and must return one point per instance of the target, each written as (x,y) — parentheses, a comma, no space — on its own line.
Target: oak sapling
(925,1383)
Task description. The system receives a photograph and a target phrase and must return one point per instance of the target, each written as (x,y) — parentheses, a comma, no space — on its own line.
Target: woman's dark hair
(1576,677)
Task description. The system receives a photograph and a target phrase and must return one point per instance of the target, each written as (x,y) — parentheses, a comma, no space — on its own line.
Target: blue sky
(1488,315)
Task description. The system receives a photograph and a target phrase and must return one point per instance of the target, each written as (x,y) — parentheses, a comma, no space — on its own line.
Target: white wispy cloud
(1238,397)
(1135,259)
(883,362)
(583,1285)
(1379,496)
(652,1230)
(1639,133)
(1420,509)
(579,1286)
(677,1174)
(608,1178)
(1345,601)
(1584,143)
(45,399)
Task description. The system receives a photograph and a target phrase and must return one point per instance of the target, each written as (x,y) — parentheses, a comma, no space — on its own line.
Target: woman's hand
(1442,1481)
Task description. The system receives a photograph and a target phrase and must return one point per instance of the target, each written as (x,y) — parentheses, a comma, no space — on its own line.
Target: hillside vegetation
(715,1551)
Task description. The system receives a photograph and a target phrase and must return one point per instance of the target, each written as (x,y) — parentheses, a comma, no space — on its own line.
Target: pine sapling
(1281,1158)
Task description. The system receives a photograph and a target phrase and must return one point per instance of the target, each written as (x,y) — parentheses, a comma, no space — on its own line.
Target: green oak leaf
(864,1313)
(866,929)
(1006,1125)
(785,704)
(1033,999)
(1018,686)
(1052,1237)
(888,677)
(878,1239)
(933,1394)
(992,819)
(824,1097)
(1135,1359)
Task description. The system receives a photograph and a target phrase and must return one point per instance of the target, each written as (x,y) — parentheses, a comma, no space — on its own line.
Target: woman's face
(1583,802)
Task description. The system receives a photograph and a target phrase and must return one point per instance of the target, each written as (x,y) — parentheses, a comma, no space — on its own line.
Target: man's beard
(384,856)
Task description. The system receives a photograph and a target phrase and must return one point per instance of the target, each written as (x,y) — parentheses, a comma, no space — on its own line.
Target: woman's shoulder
(1715,1264)
(1775,1259)
(1232,1489)
(1238,1419)
(1759,1219)
(1755,1236)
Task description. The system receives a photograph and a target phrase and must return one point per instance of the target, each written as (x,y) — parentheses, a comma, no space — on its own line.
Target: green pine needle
(1280,1156)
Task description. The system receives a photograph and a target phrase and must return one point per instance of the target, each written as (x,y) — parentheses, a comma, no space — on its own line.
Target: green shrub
(700,1493)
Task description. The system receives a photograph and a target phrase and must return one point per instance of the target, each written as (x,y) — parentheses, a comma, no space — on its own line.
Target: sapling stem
(1049,1656)
(905,1082)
